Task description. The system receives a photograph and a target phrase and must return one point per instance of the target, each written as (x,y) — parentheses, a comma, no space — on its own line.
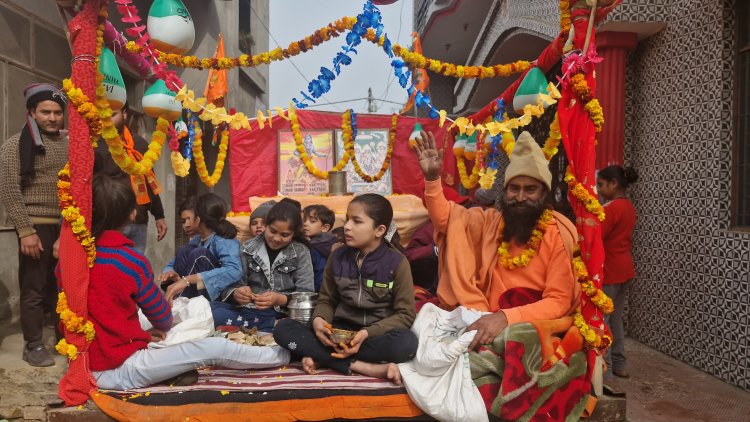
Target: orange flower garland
(565,20)
(320,36)
(386,162)
(200,160)
(590,336)
(582,90)
(346,128)
(72,214)
(324,34)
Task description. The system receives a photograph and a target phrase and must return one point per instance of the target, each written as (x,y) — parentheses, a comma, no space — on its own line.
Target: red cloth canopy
(254,154)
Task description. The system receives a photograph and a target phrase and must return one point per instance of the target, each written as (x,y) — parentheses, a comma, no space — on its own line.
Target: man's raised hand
(430,158)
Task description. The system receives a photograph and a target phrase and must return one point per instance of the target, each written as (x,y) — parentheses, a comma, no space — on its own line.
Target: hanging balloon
(416,133)
(170,26)
(159,101)
(470,150)
(533,84)
(459,145)
(114,87)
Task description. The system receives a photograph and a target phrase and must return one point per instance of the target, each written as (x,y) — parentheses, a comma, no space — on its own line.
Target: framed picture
(370,146)
(294,179)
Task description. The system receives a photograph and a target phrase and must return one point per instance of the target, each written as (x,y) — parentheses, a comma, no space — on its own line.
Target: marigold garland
(532,246)
(347,132)
(386,162)
(591,337)
(74,324)
(66,349)
(200,161)
(582,90)
(72,214)
(565,20)
(553,139)
(595,295)
(320,36)
(324,34)
(582,194)
(85,108)
(457,71)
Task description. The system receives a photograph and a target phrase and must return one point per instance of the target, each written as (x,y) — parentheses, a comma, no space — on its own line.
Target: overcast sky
(291,20)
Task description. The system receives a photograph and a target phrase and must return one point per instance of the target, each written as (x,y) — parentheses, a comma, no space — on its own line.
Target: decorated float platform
(273,150)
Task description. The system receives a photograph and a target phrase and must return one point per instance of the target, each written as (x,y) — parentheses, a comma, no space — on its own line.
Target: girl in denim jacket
(276,263)
(211,261)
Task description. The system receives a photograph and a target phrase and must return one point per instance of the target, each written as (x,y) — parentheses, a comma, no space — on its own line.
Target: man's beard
(521,218)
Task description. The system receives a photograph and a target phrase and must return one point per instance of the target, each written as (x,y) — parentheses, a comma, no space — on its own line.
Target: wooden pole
(590,29)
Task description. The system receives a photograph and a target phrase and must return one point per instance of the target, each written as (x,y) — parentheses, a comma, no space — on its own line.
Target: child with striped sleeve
(121,282)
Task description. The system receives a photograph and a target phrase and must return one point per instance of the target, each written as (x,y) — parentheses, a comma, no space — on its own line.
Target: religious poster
(294,179)
(370,146)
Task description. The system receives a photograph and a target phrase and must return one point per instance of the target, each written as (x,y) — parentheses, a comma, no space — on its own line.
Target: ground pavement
(660,389)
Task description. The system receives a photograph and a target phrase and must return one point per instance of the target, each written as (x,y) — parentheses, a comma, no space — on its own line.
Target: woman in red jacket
(619,271)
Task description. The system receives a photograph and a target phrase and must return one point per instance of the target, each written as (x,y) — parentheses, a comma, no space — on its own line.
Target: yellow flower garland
(320,36)
(346,129)
(180,164)
(565,18)
(110,134)
(597,296)
(468,181)
(386,161)
(85,108)
(200,161)
(74,324)
(325,34)
(72,214)
(590,336)
(532,246)
(582,194)
(582,90)
(419,61)
(553,140)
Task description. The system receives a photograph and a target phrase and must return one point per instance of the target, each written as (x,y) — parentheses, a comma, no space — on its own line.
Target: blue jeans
(240,316)
(137,233)
(193,259)
(615,358)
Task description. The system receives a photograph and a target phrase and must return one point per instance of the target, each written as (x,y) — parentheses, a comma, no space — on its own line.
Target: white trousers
(150,366)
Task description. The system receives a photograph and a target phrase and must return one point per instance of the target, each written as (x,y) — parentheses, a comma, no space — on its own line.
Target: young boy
(258,218)
(317,221)
(187,215)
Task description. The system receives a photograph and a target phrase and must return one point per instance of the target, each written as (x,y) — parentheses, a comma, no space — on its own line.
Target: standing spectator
(29,165)
(619,271)
(145,187)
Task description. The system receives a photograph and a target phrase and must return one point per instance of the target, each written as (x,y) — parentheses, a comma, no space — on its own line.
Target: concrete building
(35,49)
(675,87)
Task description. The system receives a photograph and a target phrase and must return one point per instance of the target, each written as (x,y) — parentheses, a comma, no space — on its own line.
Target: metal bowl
(301,306)
(342,336)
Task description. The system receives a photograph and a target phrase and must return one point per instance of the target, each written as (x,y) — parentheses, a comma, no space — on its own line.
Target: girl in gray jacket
(275,264)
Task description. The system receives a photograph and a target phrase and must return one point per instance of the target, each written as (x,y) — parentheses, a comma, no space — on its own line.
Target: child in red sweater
(121,282)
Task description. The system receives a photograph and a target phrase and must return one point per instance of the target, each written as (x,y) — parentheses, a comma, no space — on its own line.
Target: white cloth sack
(191,320)
(438,380)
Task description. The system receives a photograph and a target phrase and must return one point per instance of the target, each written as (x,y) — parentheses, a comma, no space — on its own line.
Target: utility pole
(371,106)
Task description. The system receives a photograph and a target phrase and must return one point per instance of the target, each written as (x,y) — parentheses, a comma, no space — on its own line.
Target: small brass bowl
(342,336)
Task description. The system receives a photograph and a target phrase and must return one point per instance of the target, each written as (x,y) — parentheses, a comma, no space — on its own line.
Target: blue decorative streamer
(493,158)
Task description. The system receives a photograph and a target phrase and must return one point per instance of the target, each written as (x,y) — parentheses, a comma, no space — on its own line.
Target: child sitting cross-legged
(276,264)
(121,282)
(367,291)
(317,222)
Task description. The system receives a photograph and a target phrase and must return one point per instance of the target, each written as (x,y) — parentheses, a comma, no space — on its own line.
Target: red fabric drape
(254,153)
(77,381)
